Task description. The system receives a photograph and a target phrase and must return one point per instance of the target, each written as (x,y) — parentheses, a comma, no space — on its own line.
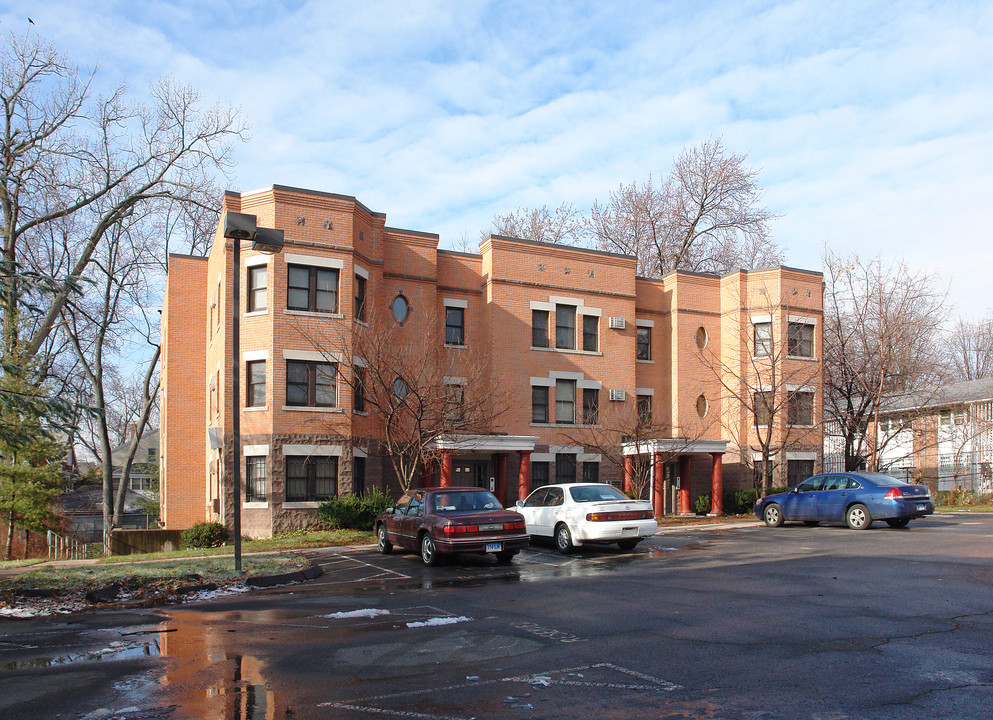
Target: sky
(870,123)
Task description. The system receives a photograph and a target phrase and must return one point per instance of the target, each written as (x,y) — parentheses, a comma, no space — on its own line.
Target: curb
(264,581)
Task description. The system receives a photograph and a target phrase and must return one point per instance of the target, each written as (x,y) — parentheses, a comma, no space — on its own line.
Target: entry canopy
(673,446)
(486,443)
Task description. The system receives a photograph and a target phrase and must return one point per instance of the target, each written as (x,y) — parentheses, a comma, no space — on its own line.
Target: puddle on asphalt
(115,651)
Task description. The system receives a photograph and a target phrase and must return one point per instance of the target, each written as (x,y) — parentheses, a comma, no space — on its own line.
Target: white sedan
(586,513)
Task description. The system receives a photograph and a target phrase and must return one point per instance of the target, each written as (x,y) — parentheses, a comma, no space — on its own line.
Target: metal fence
(62,548)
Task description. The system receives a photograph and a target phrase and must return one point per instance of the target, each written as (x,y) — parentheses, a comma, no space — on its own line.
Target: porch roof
(486,443)
(673,446)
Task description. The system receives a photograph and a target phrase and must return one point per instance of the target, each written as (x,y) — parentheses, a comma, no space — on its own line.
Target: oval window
(400,309)
(702,406)
(701,337)
(400,389)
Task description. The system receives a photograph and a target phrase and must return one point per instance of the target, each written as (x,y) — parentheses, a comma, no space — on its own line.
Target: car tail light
(450,528)
(514,526)
(894,493)
(625,515)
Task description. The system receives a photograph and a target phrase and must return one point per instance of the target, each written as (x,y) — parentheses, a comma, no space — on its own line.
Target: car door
(410,525)
(832,498)
(805,502)
(549,512)
(394,520)
(529,509)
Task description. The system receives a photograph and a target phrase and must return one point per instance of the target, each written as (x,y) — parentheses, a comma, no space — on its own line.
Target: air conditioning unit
(617,394)
(617,323)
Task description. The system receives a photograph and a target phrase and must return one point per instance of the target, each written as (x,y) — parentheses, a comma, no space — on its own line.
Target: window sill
(807,358)
(363,413)
(255,408)
(456,347)
(567,351)
(307,408)
(363,323)
(255,505)
(563,425)
(255,313)
(301,505)
(313,313)
(645,362)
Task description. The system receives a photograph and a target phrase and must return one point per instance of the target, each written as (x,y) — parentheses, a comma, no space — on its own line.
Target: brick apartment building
(586,352)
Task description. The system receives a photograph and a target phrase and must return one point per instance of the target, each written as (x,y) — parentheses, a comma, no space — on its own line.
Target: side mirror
(519,503)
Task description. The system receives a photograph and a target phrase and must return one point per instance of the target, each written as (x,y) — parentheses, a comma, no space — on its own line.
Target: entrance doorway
(471,473)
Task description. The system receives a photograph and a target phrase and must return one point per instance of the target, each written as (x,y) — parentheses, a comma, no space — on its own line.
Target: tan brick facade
(500,291)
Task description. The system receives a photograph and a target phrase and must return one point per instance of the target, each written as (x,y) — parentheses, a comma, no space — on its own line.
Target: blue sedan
(856,498)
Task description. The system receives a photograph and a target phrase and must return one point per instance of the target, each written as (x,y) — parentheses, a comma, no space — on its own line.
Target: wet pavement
(728,623)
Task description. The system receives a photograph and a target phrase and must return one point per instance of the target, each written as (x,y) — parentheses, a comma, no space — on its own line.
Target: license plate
(921,506)
(494,547)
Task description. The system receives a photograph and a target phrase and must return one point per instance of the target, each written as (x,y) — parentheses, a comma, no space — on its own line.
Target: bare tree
(704,217)
(564,225)
(970,349)
(414,397)
(882,325)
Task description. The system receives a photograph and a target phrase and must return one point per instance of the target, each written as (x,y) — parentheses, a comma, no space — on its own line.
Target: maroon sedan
(440,520)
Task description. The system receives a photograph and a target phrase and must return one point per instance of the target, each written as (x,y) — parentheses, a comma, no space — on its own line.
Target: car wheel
(506,555)
(563,539)
(858,517)
(627,545)
(385,546)
(429,553)
(898,522)
(773,515)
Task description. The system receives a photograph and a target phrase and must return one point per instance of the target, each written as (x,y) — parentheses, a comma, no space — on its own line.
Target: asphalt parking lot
(752,622)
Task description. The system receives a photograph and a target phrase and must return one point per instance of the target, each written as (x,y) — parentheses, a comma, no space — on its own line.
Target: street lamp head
(239,226)
(268,240)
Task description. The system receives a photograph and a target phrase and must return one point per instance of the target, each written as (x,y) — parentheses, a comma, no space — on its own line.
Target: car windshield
(596,493)
(464,501)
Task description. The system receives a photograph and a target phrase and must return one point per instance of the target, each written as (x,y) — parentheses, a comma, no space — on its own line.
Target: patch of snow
(21,612)
(439,621)
(367,613)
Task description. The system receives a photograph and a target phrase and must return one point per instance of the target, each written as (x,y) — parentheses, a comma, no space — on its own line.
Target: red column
(685,466)
(657,472)
(501,478)
(628,473)
(717,485)
(446,468)
(524,476)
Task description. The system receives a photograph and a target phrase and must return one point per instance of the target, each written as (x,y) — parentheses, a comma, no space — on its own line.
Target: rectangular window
(800,408)
(644,343)
(358,391)
(644,410)
(539,328)
(312,289)
(565,327)
(310,384)
(255,385)
(454,326)
(257,288)
(360,298)
(255,479)
(801,340)
(358,475)
(565,401)
(539,474)
(591,472)
(565,468)
(763,408)
(762,335)
(798,471)
(590,323)
(311,479)
(591,406)
(539,404)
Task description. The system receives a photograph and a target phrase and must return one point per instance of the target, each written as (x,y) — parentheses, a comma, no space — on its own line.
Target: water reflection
(204,678)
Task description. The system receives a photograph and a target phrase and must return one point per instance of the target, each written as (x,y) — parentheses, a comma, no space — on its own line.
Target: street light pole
(238,227)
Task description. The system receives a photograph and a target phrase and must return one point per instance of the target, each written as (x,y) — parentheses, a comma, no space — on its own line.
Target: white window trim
(361,271)
(455,303)
(589,385)
(547,307)
(542,382)
(314,450)
(801,388)
(313,261)
(560,375)
(311,356)
(359,452)
(256,261)
(542,457)
(801,320)
(644,323)
(583,310)
(359,362)
(644,391)
(253,355)
(452,380)
(759,319)
(565,449)
(800,456)
(589,458)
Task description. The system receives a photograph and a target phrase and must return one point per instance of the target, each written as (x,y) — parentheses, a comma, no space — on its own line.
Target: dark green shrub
(702,505)
(204,535)
(356,512)
(739,502)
